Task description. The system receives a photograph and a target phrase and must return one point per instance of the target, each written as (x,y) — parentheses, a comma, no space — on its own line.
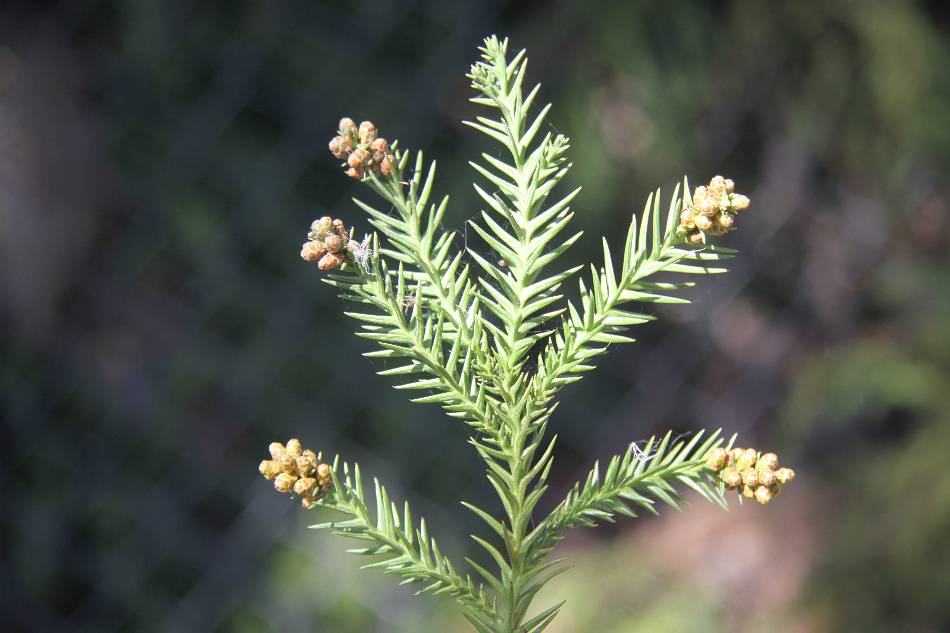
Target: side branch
(638,478)
(405,550)
(419,337)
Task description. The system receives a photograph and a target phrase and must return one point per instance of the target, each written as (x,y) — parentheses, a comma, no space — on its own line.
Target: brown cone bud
(687,220)
(347,124)
(307,502)
(367,132)
(699,195)
(731,477)
(340,146)
(703,223)
(324,474)
(726,220)
(353,172)
(324,224)
(333,243)
(287,463)
(748,459)
(767,477)
(330,261)
(312,251)
(716,459)
(276,449)
(738,201)
(269,469)
(767,461)
(305,466)
(378,147)
(305,486)
(695,238)
(750,477)
(294,447)
(763,495)
(784,475)
(284,482)
(709,206)
(358,158)
(386,165)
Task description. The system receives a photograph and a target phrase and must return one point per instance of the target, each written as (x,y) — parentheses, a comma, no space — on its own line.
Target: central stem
(518,525)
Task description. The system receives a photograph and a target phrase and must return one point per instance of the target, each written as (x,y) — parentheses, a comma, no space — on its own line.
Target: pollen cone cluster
(329,245)
(362,150)
(297,471)
(754,474)
(712,210)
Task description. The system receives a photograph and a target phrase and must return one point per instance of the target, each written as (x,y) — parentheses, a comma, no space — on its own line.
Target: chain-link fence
(160,165)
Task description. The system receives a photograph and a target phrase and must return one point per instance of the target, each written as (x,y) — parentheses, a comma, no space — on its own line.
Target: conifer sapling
(462,331)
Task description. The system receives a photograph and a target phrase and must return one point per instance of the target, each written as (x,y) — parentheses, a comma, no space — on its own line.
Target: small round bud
(284,482)
(695,238)
(321,226)
(378,147)
(699,195)
(768,461)
(333,243)
(294,447)
(784,475)
(347,124)
(276,449)
(305,485)
(748,491)
(305,466)
(738,201)
(703,223)
(330,261)
(708,207)
(312,251)
(716,459)
(340,146)
(324,473)
(767,477)
(339,227)
(353,172)
(750,477)
(748,459)
(763,495)
(687,219)
(367,132)
(309,454)
(735,454)
(307,502)
(386,165)
(358,158)
(730,185)
(726,220)
(717,184)
(269,469)
(287,463)
(352,246)
(731,477)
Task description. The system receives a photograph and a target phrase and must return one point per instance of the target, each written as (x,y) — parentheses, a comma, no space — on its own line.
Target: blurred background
(160,163)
